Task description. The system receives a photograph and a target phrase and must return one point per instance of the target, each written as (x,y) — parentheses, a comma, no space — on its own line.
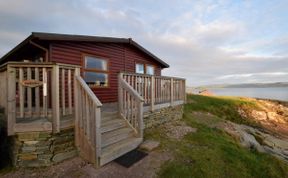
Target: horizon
(206,42)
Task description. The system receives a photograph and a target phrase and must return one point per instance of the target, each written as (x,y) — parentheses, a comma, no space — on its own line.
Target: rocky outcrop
(257,139)
(271,115)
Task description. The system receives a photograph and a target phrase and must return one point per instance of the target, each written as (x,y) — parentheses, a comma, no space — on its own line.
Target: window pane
(150,70)
(96,79)
(95,63)
(140,68)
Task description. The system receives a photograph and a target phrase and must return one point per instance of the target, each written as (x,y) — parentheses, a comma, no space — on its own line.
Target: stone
(30,136)
(28,156)
(45,156)
(259,115)
(63,156)
(149,145)
(26,149)
(35,163)
(30,142)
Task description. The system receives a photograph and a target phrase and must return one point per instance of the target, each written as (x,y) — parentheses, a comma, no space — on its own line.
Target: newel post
(120,93)
(76,106)
(140,118)
(11,99)
(55,99)
(152,92)
(171,91)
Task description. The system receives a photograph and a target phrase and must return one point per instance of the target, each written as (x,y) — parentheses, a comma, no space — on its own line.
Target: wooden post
(140,119)
(55,99)
(11,89)
(29,93)
(63,91)
(152,92)
(76,106)
(21,92)
(120,93)
(184,88)
(98,134)
(37,96)
(172,92)
(69,92)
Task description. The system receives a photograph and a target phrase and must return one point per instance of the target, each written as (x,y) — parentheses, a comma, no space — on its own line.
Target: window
(145,69)
(95,71)
(149,70)
(140,68)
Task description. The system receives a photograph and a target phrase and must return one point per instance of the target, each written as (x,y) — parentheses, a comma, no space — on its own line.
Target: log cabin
(88,93)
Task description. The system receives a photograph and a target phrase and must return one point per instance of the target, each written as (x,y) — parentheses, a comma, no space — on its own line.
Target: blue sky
(207,42)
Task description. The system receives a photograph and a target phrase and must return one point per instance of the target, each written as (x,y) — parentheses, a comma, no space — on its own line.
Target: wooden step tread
(111,125)
(118,149)
(117,135)
(109,113)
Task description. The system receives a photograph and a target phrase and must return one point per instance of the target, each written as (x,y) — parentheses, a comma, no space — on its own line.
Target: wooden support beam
(152,92)
(11,89)
(21,92)
(55,99)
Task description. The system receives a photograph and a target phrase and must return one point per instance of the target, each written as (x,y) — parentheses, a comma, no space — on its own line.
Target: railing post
(120,93)
(152,92)
(98,133)
(140,118)
(76,106)
(55,99)
(171,91)
(11,114)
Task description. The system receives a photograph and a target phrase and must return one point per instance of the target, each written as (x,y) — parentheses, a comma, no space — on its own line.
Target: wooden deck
(61,99)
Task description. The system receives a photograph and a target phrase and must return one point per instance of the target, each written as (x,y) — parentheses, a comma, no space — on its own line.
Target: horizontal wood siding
(122,58)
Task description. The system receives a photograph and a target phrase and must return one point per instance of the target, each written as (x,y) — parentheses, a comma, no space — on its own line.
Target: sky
(204,41)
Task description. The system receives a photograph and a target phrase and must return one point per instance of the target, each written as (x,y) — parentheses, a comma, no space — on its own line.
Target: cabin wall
(122,58)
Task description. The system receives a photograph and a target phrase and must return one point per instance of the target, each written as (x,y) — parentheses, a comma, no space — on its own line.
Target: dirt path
(76,167)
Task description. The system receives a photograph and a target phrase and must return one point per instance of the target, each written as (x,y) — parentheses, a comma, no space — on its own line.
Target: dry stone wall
(163,115)
(37,149)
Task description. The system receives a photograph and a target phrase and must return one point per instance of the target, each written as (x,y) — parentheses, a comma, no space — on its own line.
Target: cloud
(203,41)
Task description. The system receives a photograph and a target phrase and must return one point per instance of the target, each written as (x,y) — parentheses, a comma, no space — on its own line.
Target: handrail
(131,90)
(130,106)
(87,121)
(88,91)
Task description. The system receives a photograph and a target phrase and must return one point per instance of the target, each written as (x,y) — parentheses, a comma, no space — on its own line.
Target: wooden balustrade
(87,121)
(131,103)
(157,91)
(38,94)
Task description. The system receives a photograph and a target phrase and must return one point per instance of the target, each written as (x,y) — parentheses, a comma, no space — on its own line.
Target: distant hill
(247,85)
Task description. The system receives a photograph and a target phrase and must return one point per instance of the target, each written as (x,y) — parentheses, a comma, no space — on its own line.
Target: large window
(149,70)
(95,71)
(140,68)
(144,69)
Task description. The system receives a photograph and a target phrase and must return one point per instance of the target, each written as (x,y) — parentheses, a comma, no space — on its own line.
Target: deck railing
(130,106)
(157,91)
(87,121)
(38,96)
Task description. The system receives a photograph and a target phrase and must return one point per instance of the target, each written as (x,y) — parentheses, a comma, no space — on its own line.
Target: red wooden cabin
(77,81)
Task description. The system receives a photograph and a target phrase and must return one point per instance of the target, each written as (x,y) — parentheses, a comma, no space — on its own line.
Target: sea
(277,93)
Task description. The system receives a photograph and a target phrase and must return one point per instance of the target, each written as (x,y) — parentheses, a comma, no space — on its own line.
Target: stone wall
(36,149)
(163,115)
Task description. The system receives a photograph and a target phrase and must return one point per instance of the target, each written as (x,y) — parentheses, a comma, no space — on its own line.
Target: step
(109,113)
(118,149)
(109,117)
(109,125)
(117,135)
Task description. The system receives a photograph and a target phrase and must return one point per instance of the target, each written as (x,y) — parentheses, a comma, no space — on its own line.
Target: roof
(80,38)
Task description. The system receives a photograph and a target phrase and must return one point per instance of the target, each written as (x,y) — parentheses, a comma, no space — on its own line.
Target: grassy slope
(211,153)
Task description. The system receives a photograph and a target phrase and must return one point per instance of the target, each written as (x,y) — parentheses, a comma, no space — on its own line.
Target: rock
(28,156)
(62,156)
(259,115)
(179,131)
(31,136)
(149,145)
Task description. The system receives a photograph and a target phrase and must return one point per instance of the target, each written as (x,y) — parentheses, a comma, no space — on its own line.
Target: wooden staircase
(117,138)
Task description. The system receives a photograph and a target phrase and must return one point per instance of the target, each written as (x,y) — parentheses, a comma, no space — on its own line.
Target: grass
(224,107)
(210,152)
